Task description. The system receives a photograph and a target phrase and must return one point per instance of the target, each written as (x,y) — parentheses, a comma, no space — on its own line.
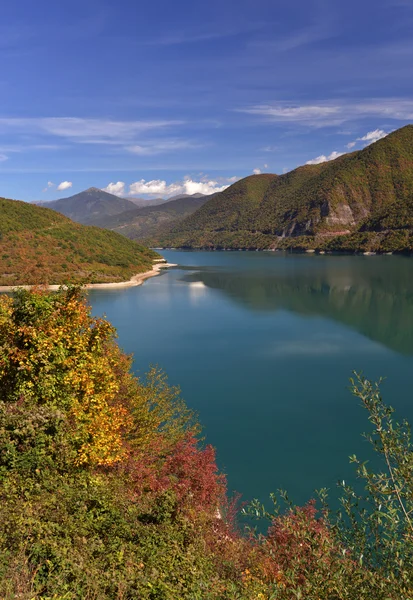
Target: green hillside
(357,201)
(39,245)
(109,493)
(146,221)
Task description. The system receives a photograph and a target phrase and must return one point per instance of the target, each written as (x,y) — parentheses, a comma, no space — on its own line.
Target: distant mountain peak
(85,206)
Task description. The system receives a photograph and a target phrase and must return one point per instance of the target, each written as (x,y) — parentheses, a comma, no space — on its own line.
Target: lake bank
(135,280)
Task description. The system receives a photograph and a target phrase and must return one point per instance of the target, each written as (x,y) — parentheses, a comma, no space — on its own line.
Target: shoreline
(406,253)
(135,280)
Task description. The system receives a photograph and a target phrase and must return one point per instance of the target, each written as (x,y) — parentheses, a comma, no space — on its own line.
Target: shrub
(106,491)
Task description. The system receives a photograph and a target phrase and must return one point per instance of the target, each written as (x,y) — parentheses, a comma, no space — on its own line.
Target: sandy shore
(133,281)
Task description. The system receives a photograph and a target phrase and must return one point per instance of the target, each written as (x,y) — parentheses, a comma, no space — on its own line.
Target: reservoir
(263,345)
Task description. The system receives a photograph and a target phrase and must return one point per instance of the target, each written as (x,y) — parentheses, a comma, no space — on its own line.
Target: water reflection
(373,295)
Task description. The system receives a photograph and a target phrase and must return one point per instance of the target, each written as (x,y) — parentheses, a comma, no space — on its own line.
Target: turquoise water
(263,345)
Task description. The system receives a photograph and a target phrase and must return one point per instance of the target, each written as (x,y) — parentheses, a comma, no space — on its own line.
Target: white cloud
(232,179)
(160,147)
(322,158)
(65,185)
(153,187)
(335,113)
(50,184)
(3,157)
(373,136)
(334,155)
(159,187)
(203,187)
(370,138)
(117,188)
(265,166)
(256,171)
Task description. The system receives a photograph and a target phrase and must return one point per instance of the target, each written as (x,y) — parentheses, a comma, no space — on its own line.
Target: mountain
(197,195)
(136,218)
(362,200)
(148,221)
(86,206)
(141,202)
(39,245)
(230,210)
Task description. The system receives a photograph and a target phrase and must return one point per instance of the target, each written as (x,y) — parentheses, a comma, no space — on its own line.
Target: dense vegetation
(226,214)
(149,221)
(106,491)
(39,245)
(134,218)
(362,201)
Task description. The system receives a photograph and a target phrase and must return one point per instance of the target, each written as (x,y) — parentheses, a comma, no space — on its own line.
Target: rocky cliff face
(371,189)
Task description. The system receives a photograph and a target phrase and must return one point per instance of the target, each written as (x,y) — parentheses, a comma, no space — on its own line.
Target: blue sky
(164,97)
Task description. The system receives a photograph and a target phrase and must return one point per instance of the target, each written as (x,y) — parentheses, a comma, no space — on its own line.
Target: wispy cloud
(324,114)
(192,37)
(49,186)
(27,147)
(160,147)
(86,130)
(297,39)
(299,114)
(3,157)
(183,38)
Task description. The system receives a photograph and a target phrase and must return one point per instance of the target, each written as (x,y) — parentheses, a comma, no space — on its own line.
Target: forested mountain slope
(39,245)
(143,222)
(362,193)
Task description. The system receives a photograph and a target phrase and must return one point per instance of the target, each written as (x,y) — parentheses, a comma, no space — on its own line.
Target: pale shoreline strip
(137,279)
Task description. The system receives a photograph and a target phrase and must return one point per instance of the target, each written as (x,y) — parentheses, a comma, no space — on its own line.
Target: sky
(158,98)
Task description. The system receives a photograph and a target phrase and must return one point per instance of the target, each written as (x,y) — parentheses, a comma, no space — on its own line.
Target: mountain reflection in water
(373,295)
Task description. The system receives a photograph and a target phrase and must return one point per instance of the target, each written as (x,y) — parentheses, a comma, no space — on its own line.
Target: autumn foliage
(107,491)
(39,245)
